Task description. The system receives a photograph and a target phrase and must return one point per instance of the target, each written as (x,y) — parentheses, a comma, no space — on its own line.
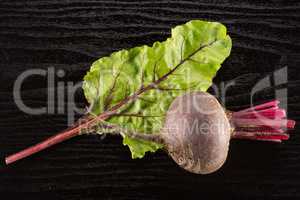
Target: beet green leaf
(138,85)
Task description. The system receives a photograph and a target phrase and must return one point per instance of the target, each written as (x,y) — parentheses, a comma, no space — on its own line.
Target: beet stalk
(264,122)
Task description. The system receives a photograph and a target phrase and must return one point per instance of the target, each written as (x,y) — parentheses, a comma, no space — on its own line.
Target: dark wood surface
(71,34)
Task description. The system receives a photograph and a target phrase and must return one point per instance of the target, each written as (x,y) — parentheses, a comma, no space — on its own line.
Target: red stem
(273,104)
(58,138)
(283,123)
(271,113)
(265,122)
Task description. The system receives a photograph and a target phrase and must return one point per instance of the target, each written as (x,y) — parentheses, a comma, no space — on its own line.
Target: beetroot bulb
(197,131)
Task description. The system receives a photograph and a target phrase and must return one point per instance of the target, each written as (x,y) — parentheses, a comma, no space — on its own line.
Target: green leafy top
(137,85)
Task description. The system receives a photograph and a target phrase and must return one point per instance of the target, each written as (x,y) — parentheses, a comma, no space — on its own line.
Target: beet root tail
(265,122)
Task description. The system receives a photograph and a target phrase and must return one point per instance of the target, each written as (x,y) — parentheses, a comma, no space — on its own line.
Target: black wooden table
(70,34)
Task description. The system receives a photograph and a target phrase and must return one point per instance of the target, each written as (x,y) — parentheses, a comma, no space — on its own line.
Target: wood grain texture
(71,34)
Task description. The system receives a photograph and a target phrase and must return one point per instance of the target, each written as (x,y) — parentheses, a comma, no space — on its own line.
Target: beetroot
(197,131)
